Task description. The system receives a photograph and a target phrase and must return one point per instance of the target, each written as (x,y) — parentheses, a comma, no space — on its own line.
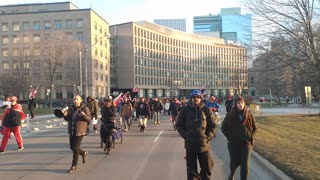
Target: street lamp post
(80,65)
(86,65)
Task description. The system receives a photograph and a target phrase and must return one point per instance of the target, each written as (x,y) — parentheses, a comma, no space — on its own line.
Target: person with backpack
(143,113)
(11,123)
(229,104)
(197,126)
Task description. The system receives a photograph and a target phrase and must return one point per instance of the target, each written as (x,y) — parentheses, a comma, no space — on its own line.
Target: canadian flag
(134,90)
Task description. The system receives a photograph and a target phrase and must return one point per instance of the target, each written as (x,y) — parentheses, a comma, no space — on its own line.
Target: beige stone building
(164,62)
(88,59)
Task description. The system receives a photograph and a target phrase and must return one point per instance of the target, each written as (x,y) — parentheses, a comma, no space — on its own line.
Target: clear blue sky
(121,11)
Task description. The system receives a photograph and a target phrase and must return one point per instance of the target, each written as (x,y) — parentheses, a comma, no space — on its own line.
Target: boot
(108,151)
(84,157)
(158,121)
(72,169)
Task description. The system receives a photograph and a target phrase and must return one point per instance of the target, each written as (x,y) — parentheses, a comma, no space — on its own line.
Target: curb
(272,170)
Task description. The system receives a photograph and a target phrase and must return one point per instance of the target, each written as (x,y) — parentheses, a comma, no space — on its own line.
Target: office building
(230,24)
(164,62)
(83,69)
(177,24)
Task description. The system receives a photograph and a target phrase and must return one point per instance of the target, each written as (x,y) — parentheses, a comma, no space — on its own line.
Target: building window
(36,25)
(5,65)
(36,76)
(59,95)
(58,75)
(26,38)
(36,52)
(5,39)
(5,27)
(79,23)
(26,26)
(101,77)
(5,52)
(96,76)
(26,52)
(57,24)
(47,25)
(15,52)
(26,65)
(80,36)
(36,38)
(95,26)
(15,39)
(69,24)
(15,26)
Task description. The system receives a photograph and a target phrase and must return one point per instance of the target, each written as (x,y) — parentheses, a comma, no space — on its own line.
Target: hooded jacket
(197,126)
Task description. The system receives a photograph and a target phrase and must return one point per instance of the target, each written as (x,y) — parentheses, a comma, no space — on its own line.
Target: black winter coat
(197,126)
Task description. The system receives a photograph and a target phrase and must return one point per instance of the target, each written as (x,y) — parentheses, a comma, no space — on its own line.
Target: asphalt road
(156,154)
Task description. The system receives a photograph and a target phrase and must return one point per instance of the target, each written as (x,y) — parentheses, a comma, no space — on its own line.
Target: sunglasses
(193,97)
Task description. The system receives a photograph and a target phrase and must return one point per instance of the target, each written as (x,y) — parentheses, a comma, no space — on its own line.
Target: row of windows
(58,75)
(208,60)
(42,25)
(194,73)
(184,48)
(151,81)
(15,52)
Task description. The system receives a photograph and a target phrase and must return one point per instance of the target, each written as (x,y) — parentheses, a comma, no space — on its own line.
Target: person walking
(173,112)
(239,127)
(157,108)
(229,104)
(78,116)
(93,108)
(143,113)
(31,106)
(11,123)
(108,116)
(126,113)
(197,126)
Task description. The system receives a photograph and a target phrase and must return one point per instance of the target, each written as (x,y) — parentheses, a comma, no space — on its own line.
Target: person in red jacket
(11,122)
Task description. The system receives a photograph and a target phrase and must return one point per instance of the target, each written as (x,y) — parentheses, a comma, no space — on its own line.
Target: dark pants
(31,113)
(206,165)
(240,154)
(75,142)
(106,136)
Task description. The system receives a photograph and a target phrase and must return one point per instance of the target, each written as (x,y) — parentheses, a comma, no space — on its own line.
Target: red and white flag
(33,93)
(134,90)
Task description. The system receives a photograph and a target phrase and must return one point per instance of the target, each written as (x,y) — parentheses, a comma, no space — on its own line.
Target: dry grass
(292,143)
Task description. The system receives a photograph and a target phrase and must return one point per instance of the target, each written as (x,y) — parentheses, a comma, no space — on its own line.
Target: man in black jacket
(143,113)
(197,126)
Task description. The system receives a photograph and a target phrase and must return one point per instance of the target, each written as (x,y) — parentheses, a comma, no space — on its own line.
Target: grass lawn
(291,143)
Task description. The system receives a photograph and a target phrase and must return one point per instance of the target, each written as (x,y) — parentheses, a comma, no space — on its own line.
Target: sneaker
(155,122)
(158,122)
(96,131)
(2,152)
(20,148)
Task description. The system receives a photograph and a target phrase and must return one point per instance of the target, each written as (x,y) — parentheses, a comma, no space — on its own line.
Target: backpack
(12,119)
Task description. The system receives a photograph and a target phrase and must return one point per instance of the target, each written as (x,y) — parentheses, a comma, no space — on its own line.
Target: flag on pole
(135,89)
(33,93)
(117,99)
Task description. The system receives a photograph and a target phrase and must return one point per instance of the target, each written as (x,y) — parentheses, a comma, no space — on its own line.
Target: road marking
(156,139)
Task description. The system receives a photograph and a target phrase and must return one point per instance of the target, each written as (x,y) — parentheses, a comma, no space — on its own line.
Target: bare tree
(57,48)
(293,28)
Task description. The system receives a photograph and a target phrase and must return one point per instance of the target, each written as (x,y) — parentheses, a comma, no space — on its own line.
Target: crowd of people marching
(194,118)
